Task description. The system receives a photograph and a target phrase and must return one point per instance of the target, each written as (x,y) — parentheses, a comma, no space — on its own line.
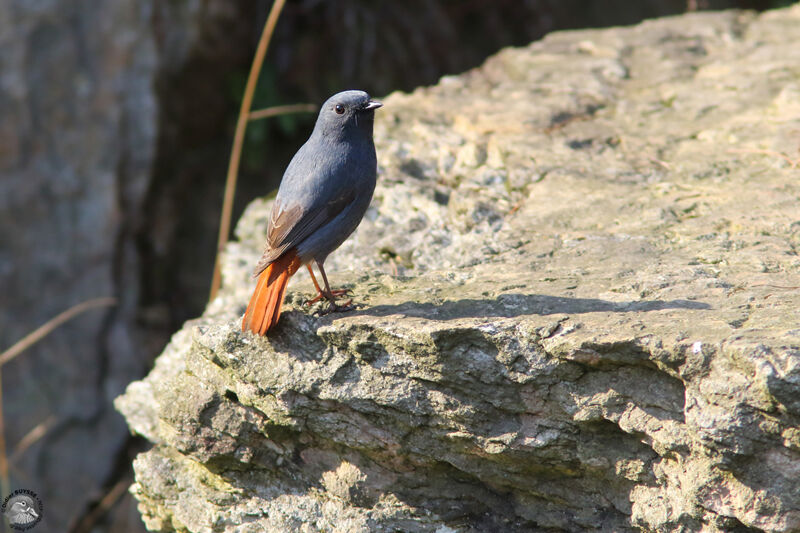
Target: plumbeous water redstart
(323,196)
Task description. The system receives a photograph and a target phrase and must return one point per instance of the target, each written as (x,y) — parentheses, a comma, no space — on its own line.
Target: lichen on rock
(577,310)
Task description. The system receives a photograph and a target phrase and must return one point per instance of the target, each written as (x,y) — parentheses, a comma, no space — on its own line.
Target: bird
(324,193)
(21,511)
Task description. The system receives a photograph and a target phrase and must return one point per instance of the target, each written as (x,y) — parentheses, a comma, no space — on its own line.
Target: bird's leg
(331,295)
(328,294)
(320,294)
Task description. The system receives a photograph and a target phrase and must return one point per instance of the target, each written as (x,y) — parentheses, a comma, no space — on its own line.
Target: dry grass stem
(282,110)
(45,329)
(106,503)
(238,139)
(32,437)
(23,344)
(5,487)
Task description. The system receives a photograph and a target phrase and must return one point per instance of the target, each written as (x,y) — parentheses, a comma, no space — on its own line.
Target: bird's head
(347,111)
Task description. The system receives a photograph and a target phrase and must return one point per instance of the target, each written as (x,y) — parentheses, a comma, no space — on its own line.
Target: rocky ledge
(578,300)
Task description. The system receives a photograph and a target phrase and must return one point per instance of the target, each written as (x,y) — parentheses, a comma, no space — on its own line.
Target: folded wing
(291,224)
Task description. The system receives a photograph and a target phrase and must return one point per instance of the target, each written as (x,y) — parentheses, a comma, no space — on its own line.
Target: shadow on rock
(513,305)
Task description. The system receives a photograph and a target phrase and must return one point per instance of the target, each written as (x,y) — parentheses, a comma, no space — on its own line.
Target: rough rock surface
(578,310)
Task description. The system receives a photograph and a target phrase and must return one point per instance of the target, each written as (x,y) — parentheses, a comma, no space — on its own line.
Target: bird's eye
(339,108)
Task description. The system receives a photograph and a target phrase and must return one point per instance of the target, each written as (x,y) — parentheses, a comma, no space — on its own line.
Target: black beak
(372,104)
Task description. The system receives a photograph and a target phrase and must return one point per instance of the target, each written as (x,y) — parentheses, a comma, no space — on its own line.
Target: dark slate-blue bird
(323,196)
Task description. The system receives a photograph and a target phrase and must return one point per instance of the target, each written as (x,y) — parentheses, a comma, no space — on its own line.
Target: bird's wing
(291,222)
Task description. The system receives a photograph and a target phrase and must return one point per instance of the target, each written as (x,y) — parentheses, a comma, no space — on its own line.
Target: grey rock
(578,310)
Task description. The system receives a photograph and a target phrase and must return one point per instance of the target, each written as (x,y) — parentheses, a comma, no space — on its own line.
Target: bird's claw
(335,293)
(340,308)
(335,308)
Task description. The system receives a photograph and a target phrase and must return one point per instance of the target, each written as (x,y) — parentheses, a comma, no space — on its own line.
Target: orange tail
(264,308)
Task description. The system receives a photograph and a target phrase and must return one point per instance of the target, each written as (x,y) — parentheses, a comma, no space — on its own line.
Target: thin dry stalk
(32,437)
(5,487)
(281,110)
(695,5)
(106,503)
(23,344)
(45,329)
(238,139)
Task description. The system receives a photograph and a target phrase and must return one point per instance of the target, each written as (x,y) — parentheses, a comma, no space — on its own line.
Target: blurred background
(116,124)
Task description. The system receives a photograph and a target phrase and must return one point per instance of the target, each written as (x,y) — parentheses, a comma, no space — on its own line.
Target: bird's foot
(339,308)
(335,308)
(335,293)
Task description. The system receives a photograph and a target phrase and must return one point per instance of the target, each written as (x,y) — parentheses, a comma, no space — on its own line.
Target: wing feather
(290,224)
